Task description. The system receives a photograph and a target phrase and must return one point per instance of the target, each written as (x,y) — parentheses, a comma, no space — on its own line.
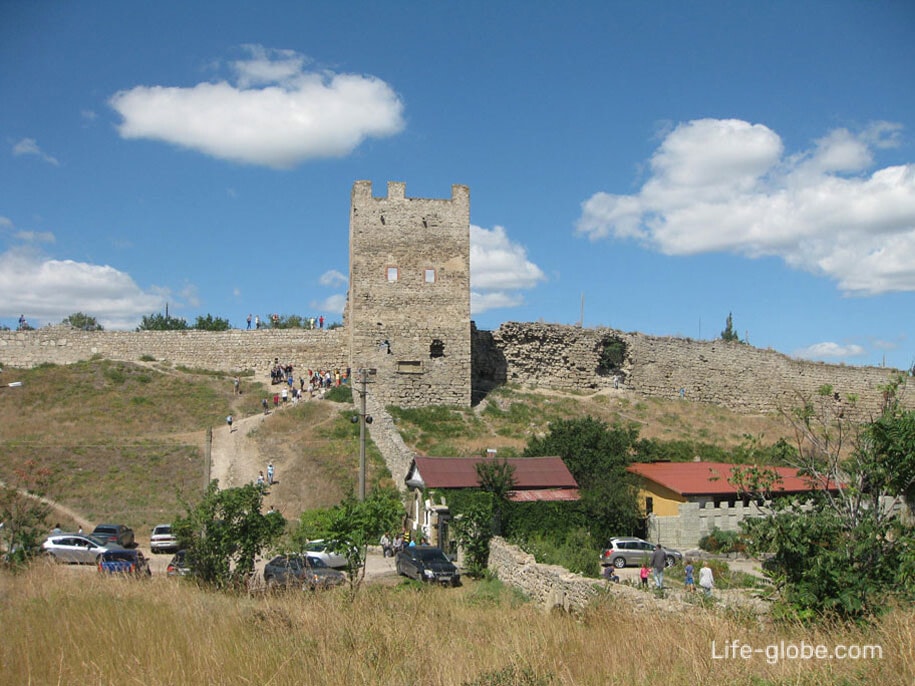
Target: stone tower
(408,311)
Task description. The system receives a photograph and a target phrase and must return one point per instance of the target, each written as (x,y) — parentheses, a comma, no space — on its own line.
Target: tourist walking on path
(229,422)
(270,473)
(658,563)
(706,579)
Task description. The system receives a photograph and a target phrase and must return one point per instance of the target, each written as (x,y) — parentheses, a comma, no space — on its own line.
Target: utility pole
(363,419)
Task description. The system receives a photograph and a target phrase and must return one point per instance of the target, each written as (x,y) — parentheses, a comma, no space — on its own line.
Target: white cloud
(29,146)
(333,278)
(498,269)
(48,290)
(330,306)
(829,350)
(276,113)
(35,236)
(728,186)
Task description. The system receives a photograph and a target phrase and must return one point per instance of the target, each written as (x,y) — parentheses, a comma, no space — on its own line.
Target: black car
(181,564)
(292,570)
(115,533)
(425,563)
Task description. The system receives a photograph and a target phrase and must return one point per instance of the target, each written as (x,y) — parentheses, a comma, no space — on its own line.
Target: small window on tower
(429,276)
(437,349)
(392,273)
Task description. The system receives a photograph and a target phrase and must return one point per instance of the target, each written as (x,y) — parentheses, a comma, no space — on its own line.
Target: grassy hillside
(511,415)
(125,439)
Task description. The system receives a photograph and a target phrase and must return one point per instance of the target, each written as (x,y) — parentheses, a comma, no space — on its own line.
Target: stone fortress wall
(740,377)
(229,351)
(408,307)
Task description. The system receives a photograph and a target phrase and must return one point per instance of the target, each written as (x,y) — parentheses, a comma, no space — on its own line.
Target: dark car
(295,570)
(425,563)
(115,533)
(124,562)
(181,564)
(633,551)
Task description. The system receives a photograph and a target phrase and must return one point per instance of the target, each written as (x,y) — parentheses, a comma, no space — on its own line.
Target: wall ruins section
(740,377)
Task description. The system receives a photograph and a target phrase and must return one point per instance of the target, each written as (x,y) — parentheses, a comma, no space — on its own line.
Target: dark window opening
(437,349)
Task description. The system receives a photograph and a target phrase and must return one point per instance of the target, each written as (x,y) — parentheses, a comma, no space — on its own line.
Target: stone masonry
(408,311)
(740,377)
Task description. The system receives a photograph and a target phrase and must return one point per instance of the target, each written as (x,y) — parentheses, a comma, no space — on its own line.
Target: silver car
(76,548)
(327,552)
(629,550)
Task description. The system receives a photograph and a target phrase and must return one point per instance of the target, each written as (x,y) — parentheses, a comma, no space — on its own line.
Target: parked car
(426,563)
(162,540)
(124,562)
(310,572)
(115,533)
(75,548)
(181,564)
(630,550)
(327,552)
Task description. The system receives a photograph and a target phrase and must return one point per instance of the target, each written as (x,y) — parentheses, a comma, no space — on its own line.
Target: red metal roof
(460,472)
(712,478)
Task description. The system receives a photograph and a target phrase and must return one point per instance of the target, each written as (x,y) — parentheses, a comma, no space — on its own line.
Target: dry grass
(66,626)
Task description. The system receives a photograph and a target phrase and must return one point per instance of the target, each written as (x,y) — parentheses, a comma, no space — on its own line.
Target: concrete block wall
(685,530)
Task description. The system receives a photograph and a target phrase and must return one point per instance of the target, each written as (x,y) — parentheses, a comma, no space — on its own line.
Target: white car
(163,540)
(321,549)
(76,548)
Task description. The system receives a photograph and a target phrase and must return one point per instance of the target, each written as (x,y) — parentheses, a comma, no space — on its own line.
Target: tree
(842,549)
(597,456)
(350,527)
(729,334)
(211,323)
(162,322)
(588,446)
(473,529)
(225,532)
(24,512)
(78,320)
(498,478)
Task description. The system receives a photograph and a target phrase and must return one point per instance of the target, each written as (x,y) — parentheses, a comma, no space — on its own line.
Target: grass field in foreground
(63,625)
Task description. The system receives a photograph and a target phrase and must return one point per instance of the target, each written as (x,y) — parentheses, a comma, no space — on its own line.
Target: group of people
(658,564)
(391,546)
(264,482)
(275,320)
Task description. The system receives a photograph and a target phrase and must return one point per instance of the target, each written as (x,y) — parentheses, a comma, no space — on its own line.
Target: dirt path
(61,510)
(234,457)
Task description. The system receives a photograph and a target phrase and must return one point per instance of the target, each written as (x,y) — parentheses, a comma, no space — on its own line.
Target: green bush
(719,541)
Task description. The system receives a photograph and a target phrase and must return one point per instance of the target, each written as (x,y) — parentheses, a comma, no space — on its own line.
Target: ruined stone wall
(229,351)
(740,377)
(547,585)
(409,294)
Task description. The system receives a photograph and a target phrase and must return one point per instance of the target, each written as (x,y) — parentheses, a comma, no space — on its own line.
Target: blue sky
(652,165)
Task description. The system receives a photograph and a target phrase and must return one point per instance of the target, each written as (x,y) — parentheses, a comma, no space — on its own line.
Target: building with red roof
(684,501)
(430,478)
